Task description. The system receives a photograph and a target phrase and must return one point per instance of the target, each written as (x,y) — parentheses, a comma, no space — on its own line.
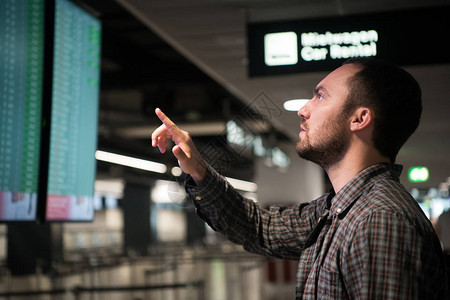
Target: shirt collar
(347,196)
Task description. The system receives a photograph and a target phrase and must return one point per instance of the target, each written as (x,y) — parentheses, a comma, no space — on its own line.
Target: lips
(303,127)
(302,132)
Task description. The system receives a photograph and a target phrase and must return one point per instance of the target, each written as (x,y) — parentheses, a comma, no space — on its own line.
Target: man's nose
(304,111)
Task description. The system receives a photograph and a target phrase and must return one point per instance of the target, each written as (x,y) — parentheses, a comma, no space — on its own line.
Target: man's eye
(320,97)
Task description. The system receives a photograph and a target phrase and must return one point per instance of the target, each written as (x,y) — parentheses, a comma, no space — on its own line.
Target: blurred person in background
(443,230)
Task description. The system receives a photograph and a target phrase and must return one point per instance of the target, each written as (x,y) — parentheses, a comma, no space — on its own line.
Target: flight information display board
(74,114)
(21,66)
(49,90)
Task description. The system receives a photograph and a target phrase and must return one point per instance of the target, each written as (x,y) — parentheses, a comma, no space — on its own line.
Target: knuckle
(187,134)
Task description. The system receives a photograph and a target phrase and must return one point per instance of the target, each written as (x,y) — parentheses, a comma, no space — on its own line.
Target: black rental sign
(403,37)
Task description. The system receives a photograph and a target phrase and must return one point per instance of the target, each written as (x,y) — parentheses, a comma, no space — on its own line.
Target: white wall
(302,182)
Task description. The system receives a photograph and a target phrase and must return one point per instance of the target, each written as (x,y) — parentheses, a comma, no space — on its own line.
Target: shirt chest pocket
(330,285)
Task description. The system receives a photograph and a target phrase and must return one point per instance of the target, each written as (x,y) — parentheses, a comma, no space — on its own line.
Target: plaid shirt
(371,240)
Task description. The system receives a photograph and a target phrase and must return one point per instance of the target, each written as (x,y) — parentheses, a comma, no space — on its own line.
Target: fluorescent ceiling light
(294,104)
(132,162)
(161,168)
(243,185)
(196,129)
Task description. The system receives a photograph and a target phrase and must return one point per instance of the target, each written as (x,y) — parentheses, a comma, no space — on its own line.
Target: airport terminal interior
(222,71)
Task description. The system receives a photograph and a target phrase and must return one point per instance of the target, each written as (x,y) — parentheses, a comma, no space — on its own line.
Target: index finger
(171,126)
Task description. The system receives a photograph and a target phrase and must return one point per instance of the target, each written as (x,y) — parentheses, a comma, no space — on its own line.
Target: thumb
(179,153)
(193,165)
(181,156)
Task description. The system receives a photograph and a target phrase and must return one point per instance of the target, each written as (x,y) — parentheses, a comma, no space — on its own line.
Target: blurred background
(196,61)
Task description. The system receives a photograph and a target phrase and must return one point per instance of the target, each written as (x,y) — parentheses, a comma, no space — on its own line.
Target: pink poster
(69,208)
(58,207)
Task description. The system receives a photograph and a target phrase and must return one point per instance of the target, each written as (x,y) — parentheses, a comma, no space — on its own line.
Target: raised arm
(275,232)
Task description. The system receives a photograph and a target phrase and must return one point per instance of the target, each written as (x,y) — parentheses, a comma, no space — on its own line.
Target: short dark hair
(393,95)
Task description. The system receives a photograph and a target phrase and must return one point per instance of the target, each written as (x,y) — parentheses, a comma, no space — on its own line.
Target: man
(365,239)
(443,230)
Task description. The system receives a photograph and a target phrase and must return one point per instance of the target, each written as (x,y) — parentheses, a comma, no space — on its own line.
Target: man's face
(325,134)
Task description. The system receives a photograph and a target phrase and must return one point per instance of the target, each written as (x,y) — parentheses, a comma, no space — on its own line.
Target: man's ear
(361,118)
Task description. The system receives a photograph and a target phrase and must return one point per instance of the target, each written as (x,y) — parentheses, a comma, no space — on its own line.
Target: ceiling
(189,58)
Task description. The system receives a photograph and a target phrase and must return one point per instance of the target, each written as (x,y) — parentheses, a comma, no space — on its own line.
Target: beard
(327,144)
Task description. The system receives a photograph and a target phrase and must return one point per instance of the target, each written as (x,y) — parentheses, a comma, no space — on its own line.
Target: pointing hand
(189,159)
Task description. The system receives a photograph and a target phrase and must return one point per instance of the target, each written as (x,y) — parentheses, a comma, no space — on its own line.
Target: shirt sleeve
(278,231)
(390,259)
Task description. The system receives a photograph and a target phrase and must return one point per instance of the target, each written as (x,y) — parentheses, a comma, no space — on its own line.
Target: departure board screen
(21,66)
(74,114)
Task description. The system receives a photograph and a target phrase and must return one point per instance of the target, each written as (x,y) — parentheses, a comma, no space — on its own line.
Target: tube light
(243,185)
(132,162)
(294,104)
(161,168)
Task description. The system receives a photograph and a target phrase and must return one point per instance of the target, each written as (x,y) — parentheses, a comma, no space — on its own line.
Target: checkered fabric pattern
(371,240)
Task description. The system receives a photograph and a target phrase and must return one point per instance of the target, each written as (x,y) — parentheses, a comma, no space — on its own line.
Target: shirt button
(339,210)
(198,198)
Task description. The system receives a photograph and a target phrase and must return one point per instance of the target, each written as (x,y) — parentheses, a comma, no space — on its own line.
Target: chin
(300,148)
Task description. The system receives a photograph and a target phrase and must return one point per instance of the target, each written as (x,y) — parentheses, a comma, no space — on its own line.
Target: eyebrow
(319,88)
